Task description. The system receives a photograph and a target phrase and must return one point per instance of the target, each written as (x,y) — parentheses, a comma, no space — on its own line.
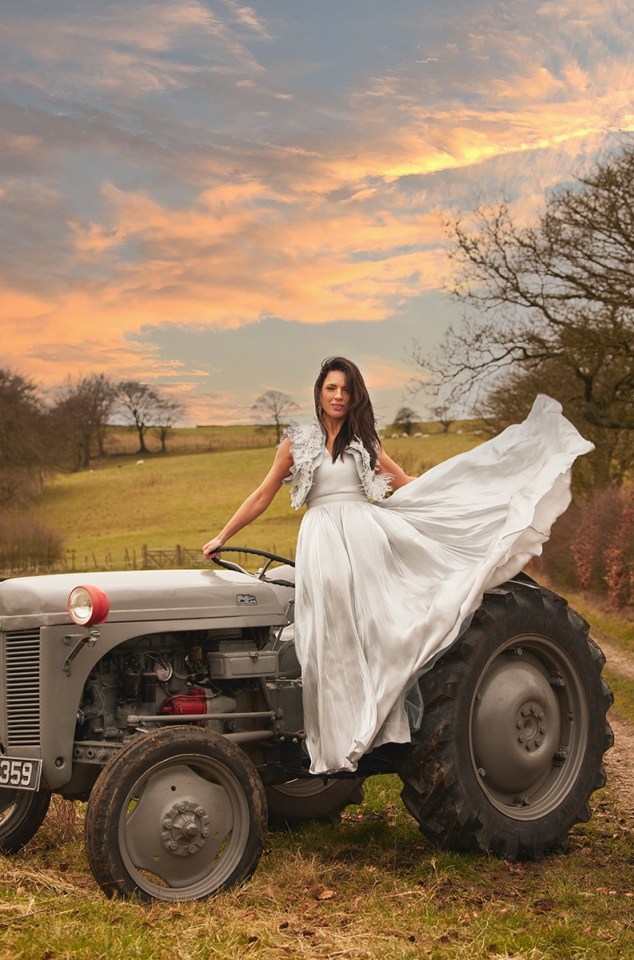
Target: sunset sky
(212,197)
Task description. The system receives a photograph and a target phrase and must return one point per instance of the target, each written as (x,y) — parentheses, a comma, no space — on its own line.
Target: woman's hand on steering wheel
(211,548)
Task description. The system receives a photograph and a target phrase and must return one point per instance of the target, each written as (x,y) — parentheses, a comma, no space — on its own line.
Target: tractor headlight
(88,605)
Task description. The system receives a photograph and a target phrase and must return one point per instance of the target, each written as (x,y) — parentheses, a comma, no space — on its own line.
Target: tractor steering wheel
(261,574)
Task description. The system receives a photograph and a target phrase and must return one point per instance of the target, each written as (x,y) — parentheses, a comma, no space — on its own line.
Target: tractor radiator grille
(22,687)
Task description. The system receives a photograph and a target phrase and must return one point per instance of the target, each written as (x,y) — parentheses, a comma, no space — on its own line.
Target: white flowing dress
(383,588)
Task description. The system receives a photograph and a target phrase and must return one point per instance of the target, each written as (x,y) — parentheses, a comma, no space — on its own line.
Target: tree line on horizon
(37,438)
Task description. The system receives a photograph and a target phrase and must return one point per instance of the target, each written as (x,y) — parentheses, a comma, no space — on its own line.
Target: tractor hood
(144,595)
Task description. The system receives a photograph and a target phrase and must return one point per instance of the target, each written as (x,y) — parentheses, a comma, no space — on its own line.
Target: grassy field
(106,515)
(124,441)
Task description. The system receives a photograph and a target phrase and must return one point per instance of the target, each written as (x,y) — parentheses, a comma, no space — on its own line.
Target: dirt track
(619,760)
(619,764)
(617,661)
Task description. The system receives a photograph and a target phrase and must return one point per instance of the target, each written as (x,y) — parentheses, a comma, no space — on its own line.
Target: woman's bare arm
(257,502)
(398,475)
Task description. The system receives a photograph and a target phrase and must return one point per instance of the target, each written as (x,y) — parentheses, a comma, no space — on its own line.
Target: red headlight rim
(100,605)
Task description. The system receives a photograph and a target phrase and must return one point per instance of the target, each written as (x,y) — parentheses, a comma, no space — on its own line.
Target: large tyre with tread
(21,815)
(514,730)
(311,798)
(177,814)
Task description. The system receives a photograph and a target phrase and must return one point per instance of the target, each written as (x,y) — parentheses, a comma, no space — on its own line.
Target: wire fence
(146,558)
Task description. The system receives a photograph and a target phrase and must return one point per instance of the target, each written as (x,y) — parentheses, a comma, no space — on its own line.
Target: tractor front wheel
(177,814)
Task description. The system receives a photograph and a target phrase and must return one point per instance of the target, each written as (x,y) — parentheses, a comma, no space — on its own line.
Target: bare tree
(82,412)
(274,407)
(442,413)
(140,404)
(168,413)
(103,395)
(405,418)
(554,302)
(25,438)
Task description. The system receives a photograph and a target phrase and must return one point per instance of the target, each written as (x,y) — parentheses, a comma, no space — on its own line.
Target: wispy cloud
(139,48)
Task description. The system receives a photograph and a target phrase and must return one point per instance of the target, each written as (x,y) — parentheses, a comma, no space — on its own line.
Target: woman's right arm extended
(257,502)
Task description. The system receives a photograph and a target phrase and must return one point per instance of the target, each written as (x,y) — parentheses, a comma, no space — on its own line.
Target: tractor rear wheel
(21,815)
(311,798)
(514,731)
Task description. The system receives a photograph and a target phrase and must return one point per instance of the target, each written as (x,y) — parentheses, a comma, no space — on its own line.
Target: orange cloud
(305,221)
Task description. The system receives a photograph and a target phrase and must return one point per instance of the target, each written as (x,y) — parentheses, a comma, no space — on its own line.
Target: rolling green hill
(106,515)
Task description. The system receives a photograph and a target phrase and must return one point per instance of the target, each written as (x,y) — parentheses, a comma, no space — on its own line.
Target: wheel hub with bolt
(516,727)
(185,828)
(531,723)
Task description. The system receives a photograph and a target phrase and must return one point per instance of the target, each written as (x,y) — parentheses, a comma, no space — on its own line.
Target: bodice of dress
(308,449)
(335,481)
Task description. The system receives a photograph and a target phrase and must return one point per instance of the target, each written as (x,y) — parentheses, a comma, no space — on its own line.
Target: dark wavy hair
(359,421)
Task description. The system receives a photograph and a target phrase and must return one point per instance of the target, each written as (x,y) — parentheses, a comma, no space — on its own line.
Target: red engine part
(185,703)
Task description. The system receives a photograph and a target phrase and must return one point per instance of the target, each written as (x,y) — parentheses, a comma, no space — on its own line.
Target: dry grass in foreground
(367,887)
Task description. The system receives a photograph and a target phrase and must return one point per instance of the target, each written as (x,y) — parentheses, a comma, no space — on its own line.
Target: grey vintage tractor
(171,702)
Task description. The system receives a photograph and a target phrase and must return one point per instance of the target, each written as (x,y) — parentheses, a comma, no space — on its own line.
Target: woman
(383,585)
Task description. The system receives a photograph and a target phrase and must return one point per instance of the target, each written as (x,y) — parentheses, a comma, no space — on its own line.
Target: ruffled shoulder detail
(376,486)
(305,434)
(307,449)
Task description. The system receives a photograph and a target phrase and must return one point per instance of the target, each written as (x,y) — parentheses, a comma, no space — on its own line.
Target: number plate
(20,774)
